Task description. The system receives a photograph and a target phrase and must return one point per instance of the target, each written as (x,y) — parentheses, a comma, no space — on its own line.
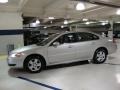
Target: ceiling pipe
(108,4)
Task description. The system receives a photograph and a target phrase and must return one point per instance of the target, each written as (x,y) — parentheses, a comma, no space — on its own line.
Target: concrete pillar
(70,27)
(76,27)
(110,31)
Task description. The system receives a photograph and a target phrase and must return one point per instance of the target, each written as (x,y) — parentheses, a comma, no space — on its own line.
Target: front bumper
(15,62)
(11,64)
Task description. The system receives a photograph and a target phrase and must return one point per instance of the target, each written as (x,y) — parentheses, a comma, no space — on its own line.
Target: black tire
(33,64)
(99,56)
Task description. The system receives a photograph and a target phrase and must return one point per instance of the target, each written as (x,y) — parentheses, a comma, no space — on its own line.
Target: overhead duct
(103,3)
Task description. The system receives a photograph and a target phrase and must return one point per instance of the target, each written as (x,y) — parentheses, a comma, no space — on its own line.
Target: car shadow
(13,72)
(67,65)
(48,71)
(112,64)
(111,57)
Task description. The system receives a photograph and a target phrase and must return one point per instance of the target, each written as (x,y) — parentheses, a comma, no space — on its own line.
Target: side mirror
(55,44)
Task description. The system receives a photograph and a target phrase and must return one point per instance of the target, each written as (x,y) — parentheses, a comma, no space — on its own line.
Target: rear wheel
(33,64)
(100,56)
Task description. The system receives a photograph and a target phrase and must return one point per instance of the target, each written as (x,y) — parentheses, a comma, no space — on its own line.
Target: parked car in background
(65,47)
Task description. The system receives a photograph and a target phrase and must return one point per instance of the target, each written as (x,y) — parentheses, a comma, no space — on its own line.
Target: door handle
(70,46)
(93,43)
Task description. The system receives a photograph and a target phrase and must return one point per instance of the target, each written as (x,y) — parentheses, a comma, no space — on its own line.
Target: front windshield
(46,41)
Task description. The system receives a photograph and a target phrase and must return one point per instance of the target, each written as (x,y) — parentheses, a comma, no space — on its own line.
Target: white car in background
(61,48)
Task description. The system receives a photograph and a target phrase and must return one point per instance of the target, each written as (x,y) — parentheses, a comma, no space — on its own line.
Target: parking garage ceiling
(63,9)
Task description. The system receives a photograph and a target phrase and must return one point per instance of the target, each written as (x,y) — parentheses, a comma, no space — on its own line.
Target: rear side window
(83,36)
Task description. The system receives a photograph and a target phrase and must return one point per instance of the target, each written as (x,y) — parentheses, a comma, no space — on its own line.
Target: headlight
(17,54)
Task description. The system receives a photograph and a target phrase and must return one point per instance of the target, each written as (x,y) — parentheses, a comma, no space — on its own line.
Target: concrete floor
(74,77)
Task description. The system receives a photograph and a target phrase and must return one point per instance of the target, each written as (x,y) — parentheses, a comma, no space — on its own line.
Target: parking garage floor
(82,76)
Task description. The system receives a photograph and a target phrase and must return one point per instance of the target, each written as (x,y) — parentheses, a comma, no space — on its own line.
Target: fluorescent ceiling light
(80,6)
(65,22)
(85,19)
(62,26)
(37,22)
(87,23)
(51,21)
(51,18)
(3,1)
(118,12)
(103,23)
(33,25)
(45,27)
(118,22)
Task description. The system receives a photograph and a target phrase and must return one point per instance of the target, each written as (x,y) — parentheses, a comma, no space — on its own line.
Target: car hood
(25,48)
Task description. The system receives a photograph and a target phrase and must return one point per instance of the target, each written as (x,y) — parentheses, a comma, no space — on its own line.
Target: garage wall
(17,40)
(8,22)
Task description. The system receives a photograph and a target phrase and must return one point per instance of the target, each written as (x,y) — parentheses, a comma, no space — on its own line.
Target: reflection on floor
(75,76)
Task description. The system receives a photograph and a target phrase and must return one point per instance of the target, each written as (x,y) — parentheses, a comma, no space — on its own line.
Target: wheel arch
(100,48)
(104,48)
(43,59)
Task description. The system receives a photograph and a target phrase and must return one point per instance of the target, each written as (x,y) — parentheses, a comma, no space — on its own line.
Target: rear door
(86,45)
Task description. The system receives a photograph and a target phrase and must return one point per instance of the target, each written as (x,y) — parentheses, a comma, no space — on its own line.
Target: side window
(67,38)
(83,36)
(60,40)
(92,36)
(70,38)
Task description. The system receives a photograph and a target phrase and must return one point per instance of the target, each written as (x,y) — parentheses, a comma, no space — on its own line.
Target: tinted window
(60,40)
(46,41)
(83,36)
(70,38)
(67,38)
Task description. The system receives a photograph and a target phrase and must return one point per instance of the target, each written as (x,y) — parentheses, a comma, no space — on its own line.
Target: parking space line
(38,83)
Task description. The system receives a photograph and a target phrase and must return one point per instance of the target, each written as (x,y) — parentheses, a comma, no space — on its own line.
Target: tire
(33,64)
(99,56)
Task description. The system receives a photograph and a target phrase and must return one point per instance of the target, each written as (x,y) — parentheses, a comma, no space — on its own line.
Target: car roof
(76,31)
(66,32)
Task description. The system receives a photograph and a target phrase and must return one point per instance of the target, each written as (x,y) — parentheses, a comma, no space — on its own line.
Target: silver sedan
(61,48)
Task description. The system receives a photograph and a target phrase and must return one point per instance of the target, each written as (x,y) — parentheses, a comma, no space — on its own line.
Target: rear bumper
(112,49)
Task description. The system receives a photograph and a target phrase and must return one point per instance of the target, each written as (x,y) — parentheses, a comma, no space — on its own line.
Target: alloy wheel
(34,64)
(101,56)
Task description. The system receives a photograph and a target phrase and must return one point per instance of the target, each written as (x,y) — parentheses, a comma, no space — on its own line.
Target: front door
(65,51)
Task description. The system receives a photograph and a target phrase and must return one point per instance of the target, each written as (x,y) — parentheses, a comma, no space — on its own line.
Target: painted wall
(5,40)
(10,21)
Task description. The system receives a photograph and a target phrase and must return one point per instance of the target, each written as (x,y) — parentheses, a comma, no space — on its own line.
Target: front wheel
(100,56)
(33,64)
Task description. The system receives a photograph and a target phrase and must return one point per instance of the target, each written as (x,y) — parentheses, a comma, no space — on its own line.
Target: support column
(110,31)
